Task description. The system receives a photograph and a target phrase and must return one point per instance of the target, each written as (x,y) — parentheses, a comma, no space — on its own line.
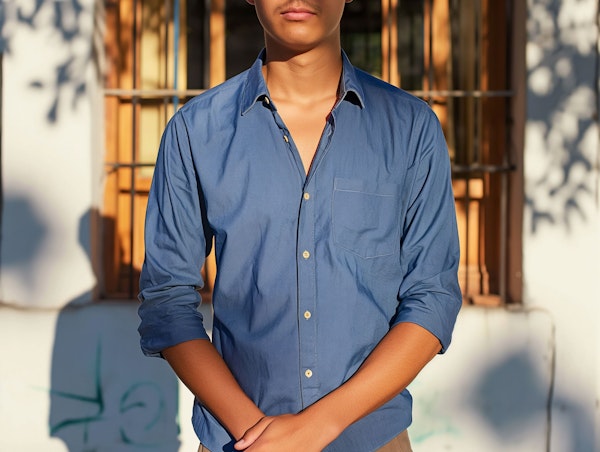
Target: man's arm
(177,239)
(388,370)
(198,364)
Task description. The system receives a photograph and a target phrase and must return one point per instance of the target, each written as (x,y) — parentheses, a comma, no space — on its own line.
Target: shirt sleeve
(177,240)
(429,294)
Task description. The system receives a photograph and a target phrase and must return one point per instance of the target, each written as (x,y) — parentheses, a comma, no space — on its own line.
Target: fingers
(253,433)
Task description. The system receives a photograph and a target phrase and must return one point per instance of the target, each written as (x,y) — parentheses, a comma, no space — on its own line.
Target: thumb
(253,433)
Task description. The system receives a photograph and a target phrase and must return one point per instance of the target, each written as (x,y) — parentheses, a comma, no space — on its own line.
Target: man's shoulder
(382,92)
(226,95)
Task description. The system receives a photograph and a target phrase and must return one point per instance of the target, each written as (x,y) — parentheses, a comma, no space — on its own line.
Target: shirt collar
(350,88)
(255,88)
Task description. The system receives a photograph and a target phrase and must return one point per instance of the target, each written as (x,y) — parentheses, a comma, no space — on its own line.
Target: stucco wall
(74,380)
(562,214)
(490,391)
(50,148)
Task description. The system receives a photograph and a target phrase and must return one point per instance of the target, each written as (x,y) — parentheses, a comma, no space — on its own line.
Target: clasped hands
(285,433)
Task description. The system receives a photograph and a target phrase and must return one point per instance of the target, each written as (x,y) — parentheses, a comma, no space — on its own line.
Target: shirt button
(305,254)
(286,139)
(307,315)
(307,196)
(267,101)
(308,373)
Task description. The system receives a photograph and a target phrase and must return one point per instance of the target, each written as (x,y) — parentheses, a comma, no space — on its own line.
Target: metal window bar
(152,93)
(175,95)
(507,161)
(134,144)
(475,165)
(137,95)
(458,169)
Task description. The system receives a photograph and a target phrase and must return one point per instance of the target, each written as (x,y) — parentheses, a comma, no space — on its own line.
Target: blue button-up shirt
(313,270)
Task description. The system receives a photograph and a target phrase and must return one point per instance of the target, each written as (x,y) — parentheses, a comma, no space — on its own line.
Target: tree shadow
(22,237)
(562,113)
(23,233)
(105,395)
(514,398)
(78,47)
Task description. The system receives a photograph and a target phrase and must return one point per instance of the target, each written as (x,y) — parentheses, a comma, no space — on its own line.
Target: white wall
(48,148)
(74,379)
(490,391)
(562,215)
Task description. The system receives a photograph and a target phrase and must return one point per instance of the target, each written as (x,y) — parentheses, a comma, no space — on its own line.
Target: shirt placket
(306,267)
(307,298)
(310,369)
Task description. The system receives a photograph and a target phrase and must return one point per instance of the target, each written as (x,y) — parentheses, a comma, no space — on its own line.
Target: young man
(328,195)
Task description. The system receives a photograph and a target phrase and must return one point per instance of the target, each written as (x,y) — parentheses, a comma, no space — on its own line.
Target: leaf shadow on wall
(515,399)
(562,156)
(76,49)
(105,395)
(24,234)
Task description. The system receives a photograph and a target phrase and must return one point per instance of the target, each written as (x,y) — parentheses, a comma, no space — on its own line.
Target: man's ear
(251,2)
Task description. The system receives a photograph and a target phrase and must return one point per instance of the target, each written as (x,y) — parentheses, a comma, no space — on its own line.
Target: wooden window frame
(127,175)
(488,189)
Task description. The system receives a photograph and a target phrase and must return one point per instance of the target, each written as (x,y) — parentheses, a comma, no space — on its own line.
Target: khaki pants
(400,443)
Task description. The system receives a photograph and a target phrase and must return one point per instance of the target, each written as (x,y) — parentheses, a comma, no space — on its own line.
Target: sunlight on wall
(562,131)
(561,235)
(49,81)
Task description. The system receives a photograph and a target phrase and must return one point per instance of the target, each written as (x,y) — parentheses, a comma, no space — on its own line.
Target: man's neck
(303,77)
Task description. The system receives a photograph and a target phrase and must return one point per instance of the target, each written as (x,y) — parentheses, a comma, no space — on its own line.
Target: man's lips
(297,14)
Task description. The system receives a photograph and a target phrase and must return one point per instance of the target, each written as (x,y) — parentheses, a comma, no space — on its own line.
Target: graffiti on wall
(104,394)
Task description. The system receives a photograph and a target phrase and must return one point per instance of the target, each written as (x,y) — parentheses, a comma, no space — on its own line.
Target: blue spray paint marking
(136,397)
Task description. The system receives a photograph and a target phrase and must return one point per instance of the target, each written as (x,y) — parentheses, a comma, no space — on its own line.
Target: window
(156,60)
(455,54)
(467,78)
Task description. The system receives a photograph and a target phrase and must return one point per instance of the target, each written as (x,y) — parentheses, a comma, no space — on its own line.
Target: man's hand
(389,368)
(286,433)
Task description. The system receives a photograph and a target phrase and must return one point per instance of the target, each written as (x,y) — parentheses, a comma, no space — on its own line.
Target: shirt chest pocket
(366,217)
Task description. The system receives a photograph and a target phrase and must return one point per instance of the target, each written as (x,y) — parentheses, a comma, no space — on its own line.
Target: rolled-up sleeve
(176,244)
(429,294)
